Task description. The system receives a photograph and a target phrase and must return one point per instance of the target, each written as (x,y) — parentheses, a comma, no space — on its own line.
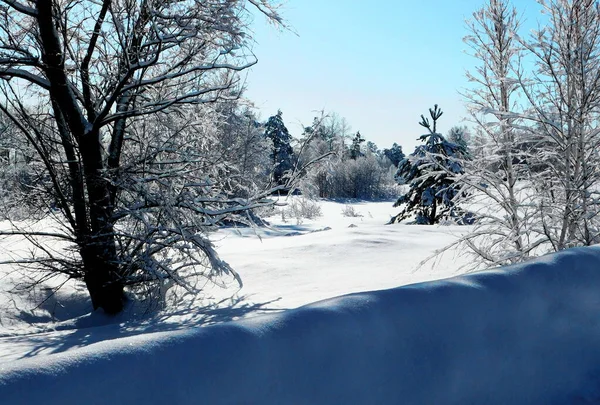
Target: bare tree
(564,98)
(535,171)
(493,176)
(78,78)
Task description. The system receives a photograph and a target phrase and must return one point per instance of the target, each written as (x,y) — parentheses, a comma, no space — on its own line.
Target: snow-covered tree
(394,154)
(356,147)
(371,147)
(429,171)
(242,144)
(282,153)
(334,129)
(339,176)
(328,134)
(20,175)
(564,98)
(95,69)
(16,188)
(534,170)
(497,168)
(460,135)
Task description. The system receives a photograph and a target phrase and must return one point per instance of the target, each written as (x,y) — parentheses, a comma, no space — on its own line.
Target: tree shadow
(360,201)
(96,327)
(273,230)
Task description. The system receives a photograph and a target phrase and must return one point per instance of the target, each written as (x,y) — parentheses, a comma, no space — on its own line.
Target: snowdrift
(526,334)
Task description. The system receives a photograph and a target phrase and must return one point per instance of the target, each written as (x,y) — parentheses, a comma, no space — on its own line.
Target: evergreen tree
(372,147)
(459,135)
(394,154)
(430,172)
(355,151)
(282,154)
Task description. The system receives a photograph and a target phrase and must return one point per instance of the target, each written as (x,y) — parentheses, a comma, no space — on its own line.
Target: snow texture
(525,334)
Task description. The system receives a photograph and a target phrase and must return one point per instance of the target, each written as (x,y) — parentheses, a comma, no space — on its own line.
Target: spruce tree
(282,154)
(355,152)
(394,154)
(429,171)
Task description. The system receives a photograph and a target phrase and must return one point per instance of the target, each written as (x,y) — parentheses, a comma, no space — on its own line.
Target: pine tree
(373,149)
(282,154)
(430,172)
(460,135)
(355,151)
(394,154)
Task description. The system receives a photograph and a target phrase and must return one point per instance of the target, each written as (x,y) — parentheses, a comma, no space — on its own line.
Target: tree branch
(32,12)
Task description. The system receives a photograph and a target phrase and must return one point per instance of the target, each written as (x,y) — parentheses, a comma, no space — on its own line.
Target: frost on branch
(104,94)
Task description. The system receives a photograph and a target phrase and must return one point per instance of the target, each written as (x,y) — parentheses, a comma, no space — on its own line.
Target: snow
(285,266)
(526,334)
(314,262)
(521,335)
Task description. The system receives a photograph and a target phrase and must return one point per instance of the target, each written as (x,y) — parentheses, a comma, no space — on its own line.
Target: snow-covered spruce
(429,172)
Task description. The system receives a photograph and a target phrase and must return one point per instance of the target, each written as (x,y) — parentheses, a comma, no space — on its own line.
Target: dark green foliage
(394,154)
(282,154)
(372,147)
(428,171)
(460,135)
(355,152)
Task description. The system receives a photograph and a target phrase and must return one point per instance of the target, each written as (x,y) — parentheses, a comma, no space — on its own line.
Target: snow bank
(527,334)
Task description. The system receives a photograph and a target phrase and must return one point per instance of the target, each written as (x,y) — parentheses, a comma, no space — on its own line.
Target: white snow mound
(526,334)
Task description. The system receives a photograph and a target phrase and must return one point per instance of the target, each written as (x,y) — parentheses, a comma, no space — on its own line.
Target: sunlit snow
(525,335)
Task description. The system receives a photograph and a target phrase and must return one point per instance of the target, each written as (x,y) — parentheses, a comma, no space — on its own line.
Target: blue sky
(379,63)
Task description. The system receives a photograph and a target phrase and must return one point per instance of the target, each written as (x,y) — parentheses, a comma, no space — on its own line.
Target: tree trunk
(101,276)
(96,243)
(102,273)
(433,213)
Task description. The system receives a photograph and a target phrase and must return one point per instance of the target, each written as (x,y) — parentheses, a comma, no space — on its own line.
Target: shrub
(350,211)
(302,208)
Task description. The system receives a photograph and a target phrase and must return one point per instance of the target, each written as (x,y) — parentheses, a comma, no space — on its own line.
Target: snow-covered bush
(350,211)
(366,177)
(302,208)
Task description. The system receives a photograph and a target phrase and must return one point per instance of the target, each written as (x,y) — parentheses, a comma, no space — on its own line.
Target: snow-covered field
(282,267)
(334,254)
(524,335)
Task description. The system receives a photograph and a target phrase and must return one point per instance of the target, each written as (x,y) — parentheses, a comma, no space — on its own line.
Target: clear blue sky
(379,63)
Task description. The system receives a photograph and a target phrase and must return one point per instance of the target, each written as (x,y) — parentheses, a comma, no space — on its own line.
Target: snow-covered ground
(282,267)
(335,254)
(524,335)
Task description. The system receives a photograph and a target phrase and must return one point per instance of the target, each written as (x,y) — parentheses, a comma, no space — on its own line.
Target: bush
(350,211)
(302,208)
